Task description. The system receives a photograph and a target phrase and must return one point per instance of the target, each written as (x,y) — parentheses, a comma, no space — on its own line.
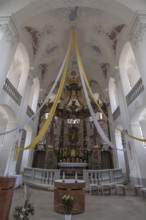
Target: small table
(73,188)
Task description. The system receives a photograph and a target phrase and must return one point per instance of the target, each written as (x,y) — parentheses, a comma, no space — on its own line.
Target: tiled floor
(105,207)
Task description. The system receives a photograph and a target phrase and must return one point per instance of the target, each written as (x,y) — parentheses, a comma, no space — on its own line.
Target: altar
(70,169)
(72,165)
(69,187)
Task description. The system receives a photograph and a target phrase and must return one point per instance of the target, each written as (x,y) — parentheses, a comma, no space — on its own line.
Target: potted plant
(23,211)
(67,201)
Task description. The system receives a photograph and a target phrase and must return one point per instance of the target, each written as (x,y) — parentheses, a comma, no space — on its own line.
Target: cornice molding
(8,27)
(138,26)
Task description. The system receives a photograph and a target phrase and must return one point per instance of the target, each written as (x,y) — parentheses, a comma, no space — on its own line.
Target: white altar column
(124,118)
(131,165)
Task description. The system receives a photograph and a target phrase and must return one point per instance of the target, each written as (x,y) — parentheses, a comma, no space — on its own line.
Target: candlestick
(76,176)
(63,177)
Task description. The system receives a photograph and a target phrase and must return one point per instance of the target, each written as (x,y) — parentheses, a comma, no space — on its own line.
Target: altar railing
(102,176)
(44,178)
(12,91)
(137,89)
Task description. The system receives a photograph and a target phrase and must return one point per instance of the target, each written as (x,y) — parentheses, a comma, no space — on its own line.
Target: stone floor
(97,207)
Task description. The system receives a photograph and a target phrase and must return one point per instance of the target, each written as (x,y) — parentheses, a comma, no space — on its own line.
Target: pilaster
(8,44)
(137,37)
(138,26)
(8,27)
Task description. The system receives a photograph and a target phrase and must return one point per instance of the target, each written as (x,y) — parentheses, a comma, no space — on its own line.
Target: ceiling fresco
(98,33)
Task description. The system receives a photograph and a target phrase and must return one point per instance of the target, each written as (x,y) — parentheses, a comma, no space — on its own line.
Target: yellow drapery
(92,95)
(53,109)
(16,152)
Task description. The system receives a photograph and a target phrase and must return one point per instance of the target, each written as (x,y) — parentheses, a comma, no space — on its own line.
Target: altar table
(72,165)
(73,188)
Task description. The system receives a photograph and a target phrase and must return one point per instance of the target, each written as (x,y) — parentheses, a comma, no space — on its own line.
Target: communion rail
(112,176)
(44,178)
(41,178)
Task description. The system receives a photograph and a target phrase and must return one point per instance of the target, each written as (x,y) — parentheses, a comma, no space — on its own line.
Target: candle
(76,177)
(63,177)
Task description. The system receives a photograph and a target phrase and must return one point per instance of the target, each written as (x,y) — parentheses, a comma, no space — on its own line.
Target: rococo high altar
(72,142)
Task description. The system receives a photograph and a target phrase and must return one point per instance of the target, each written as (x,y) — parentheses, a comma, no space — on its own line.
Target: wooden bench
(120,189)
(103,187)
(143,192)
(95,187)
(137,189)
(107,186)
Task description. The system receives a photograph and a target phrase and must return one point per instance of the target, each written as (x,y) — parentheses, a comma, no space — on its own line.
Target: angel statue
(57,143)
(87,142)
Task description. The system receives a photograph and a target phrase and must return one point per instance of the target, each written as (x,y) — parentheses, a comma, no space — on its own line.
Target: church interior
(72,103)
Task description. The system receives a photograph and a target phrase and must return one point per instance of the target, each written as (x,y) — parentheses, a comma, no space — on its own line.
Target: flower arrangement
(67,201)
(21,212)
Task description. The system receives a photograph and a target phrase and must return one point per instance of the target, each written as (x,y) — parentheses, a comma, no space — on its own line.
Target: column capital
(117,76)
(30,77)
(138,26)
(8,27)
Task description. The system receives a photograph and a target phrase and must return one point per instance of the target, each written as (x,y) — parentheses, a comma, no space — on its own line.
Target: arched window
(128,68)
(19,69)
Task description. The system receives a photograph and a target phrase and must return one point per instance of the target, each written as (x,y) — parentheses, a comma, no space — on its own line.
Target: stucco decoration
(43,69)
(114,35)
(73,14)
(7,26)
(138,26)
(35,35)
(96,48)
(105,68)
(51,49)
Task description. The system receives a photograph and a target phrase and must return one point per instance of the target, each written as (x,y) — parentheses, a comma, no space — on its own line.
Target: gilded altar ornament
(95,146)
(74,79)
(73,153)
(50,147)
(40,146)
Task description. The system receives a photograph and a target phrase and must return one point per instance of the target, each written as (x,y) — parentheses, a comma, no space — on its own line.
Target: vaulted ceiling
(49,34)
(45,29)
